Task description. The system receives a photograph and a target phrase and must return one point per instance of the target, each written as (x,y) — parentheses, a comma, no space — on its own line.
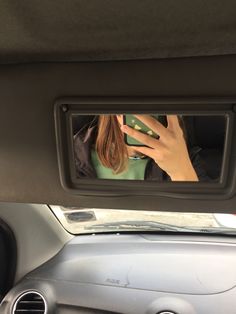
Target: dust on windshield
(95,220)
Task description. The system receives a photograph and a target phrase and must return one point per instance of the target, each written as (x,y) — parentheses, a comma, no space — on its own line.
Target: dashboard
(133,273)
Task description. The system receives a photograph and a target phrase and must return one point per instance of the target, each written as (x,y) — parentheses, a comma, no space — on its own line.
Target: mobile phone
(136,124)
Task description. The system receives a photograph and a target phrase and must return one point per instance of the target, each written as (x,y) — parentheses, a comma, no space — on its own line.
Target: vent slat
(24,302)
(30,302)
(28,311)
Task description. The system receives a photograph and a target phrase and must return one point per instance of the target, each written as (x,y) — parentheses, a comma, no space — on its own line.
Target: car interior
(76,240)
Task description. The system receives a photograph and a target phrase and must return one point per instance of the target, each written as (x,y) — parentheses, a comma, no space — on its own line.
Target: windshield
(97,220)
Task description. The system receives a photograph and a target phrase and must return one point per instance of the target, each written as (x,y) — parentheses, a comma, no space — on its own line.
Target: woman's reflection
(101,152)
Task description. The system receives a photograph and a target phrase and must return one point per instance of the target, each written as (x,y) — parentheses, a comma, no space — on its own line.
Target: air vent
(30,302)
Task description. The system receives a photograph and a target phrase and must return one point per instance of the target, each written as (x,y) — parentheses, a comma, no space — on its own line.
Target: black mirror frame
(66,107)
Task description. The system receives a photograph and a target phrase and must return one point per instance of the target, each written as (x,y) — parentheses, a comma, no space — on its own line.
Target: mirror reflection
(149,147)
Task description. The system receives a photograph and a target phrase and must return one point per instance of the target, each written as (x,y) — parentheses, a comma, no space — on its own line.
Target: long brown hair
(110,145)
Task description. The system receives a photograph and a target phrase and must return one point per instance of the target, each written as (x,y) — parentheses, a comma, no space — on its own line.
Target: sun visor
(41,31)
(50,112)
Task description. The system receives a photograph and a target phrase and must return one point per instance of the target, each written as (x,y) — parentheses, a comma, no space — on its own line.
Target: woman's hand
(169,151)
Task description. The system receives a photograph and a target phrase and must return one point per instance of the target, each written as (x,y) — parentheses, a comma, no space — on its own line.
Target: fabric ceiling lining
(81,30)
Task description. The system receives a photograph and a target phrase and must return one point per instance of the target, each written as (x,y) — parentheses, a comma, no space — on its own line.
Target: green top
(135,170)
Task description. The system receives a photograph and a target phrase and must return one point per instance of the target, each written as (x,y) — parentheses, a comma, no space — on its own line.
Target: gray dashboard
(137,273)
